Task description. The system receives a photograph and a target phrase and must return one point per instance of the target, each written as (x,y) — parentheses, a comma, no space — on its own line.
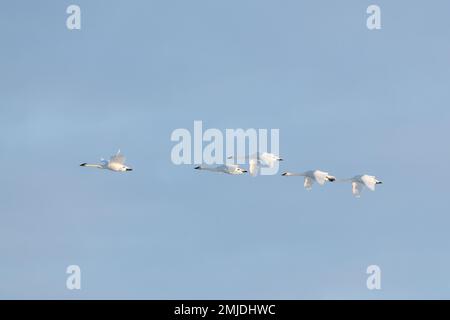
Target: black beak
(129,169)
(83,164)
(244,171)
(280,159)
(379,182)
(283,174)
(331,179)
(196,168)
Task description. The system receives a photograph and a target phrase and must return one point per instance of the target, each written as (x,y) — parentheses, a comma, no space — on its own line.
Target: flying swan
(115,163)
(361,181)
(312,176)
(226,168)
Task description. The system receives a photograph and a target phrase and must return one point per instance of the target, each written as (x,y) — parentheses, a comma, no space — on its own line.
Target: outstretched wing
(369,181)
(357,188)
(253,167)
(308,183)
(321,177)
(268,159)
(118,158)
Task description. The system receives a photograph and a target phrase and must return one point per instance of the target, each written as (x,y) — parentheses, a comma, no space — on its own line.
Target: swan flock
(256,162)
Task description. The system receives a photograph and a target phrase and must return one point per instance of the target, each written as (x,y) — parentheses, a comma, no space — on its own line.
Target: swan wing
(118,158)
(369,182)
(253,167)
(357,188)
(308,183)
(268,159)
(321,177)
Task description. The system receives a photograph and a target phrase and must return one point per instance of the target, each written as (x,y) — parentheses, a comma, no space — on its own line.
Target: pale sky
(346,100)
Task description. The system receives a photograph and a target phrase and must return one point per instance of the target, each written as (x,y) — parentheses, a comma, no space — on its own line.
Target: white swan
(226,168)
(312,176)
(115,163)
(257,160)
(361,181)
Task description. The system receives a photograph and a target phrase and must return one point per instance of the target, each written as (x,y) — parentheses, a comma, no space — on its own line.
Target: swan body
(312,176)
(116,163)
(226,168)
(363,181)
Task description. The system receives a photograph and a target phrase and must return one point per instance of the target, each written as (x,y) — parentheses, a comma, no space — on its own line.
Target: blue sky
(346,100)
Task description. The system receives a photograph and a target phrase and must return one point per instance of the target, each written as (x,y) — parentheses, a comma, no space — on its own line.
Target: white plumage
(115,163)
(226,168)
(312,176)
